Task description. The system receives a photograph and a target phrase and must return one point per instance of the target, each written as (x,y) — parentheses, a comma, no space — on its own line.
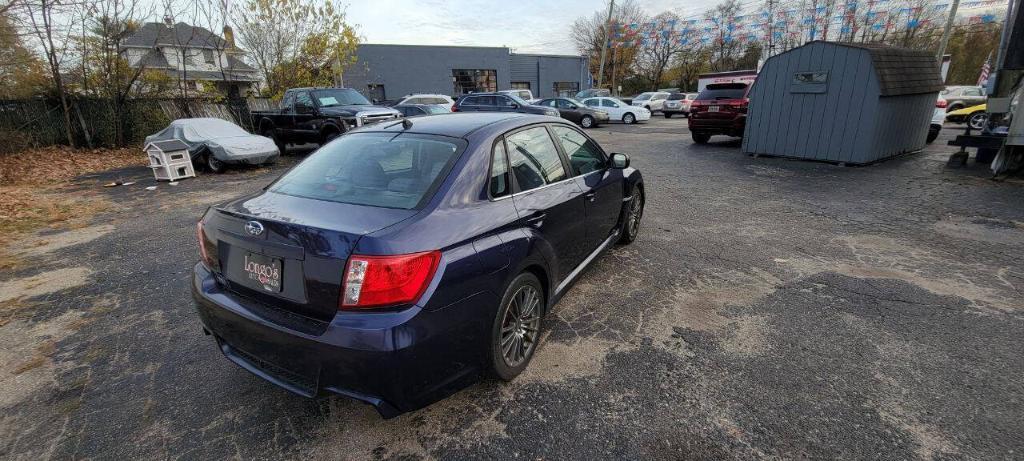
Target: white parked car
(618,110)
(524,94)
(651,100)
(678,103)
(938,116)
(431,99)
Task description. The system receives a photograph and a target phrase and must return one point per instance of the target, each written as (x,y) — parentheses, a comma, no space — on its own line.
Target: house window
(520,85)
(810,77)
(566,89)
(474,80)
(208,56)
(809,82)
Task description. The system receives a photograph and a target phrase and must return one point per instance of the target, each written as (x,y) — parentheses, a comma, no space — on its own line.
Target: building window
(566,89)
(208,56)
(474,80)
(520,85)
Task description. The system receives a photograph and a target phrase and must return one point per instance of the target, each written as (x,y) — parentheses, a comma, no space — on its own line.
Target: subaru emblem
(254,228)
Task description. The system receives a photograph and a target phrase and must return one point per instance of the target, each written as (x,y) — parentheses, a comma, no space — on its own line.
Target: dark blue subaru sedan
(403,261)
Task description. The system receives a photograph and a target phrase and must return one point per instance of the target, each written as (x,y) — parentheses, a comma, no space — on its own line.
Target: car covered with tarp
(216,143)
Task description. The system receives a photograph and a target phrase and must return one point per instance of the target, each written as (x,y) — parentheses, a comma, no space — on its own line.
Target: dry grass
(57,164)
(14,309)
(43,353)
(25,209)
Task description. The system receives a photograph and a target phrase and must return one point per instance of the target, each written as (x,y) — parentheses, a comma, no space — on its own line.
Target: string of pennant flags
(877,16)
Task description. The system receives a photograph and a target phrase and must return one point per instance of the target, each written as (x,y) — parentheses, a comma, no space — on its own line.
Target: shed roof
(169,145)
(901,70)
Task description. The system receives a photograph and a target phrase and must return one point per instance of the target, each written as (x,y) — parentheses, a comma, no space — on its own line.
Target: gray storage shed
(842,102)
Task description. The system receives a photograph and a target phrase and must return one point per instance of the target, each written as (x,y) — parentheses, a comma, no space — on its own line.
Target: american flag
(985,69)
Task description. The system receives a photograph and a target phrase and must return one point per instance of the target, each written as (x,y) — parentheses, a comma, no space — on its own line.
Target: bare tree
(106,70)
(724,47)
(48,20)
(588,34)
(660,48)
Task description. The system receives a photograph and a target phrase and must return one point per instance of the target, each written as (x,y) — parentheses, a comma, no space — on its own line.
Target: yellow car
(975,116)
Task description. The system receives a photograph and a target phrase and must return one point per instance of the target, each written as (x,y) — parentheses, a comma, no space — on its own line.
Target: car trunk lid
(290,252)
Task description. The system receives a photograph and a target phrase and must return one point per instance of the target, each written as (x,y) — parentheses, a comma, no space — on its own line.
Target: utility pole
(947,31)
(604,43)
(771,29)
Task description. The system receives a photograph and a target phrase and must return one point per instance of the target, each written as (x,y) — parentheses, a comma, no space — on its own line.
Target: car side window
(563,104)
(534,158)
(503,101)
(303,99)
(584,155)
(288,101)
(499,183)
(592,102)
(608,103)
(470,101)
(972,92)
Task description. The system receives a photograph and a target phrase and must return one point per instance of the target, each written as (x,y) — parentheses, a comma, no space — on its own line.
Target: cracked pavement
(769,308)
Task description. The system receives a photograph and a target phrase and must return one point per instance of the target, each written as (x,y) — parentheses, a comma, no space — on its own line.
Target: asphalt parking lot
(770,308)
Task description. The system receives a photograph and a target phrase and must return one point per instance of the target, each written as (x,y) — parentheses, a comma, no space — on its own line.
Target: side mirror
(620,161)
(513,105)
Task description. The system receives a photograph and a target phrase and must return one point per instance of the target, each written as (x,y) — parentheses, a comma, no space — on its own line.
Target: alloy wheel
(636,211)
(977,121)
(520,326)
(629,119)
(587,122)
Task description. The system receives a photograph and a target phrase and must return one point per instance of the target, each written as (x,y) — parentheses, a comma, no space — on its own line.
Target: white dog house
(170,160)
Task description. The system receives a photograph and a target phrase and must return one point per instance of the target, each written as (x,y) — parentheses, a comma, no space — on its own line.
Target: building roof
(157,33)
(213,75)
(154,59)
(901,70)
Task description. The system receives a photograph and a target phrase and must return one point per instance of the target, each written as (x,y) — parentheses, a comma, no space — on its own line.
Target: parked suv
(959,97)
(720,109)
(678,103)
(652,100)
(499,102)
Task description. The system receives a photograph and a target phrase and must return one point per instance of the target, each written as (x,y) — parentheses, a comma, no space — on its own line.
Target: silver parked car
(216,143)
(959,97)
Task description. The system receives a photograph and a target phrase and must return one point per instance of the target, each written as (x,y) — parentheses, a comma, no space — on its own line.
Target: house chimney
(229,37)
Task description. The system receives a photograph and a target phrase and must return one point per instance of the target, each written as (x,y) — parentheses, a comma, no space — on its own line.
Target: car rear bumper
(732,126)
(395,361)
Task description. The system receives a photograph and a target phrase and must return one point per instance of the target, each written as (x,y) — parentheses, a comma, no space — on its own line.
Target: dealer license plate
(262,272)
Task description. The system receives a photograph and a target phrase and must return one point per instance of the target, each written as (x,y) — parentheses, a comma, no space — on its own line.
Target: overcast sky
(538,26)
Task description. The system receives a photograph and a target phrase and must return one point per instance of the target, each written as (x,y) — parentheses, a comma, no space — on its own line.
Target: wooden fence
(40,122)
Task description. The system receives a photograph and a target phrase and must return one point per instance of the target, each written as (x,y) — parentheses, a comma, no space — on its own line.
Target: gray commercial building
(389,72)
(842,102)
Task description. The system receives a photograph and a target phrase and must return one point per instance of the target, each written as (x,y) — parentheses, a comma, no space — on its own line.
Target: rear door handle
(590,196)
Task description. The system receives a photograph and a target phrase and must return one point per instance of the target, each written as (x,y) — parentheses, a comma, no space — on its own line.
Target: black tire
(328,136)
(700,138)
(519,287)
(268,132)
(628,118)
(632,213)
(668,115)
(587,122)
(214,165)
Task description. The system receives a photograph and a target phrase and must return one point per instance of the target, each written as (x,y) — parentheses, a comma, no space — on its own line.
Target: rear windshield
(676,96)
(376,169)
(730,92)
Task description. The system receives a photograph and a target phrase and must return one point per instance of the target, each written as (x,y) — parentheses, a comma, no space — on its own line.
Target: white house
(193,54)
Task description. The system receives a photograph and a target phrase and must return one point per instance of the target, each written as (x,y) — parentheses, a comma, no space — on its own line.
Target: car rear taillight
(941,103)
(204,252)
(742,108)
(376,281)
(696,106)
(455,108)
